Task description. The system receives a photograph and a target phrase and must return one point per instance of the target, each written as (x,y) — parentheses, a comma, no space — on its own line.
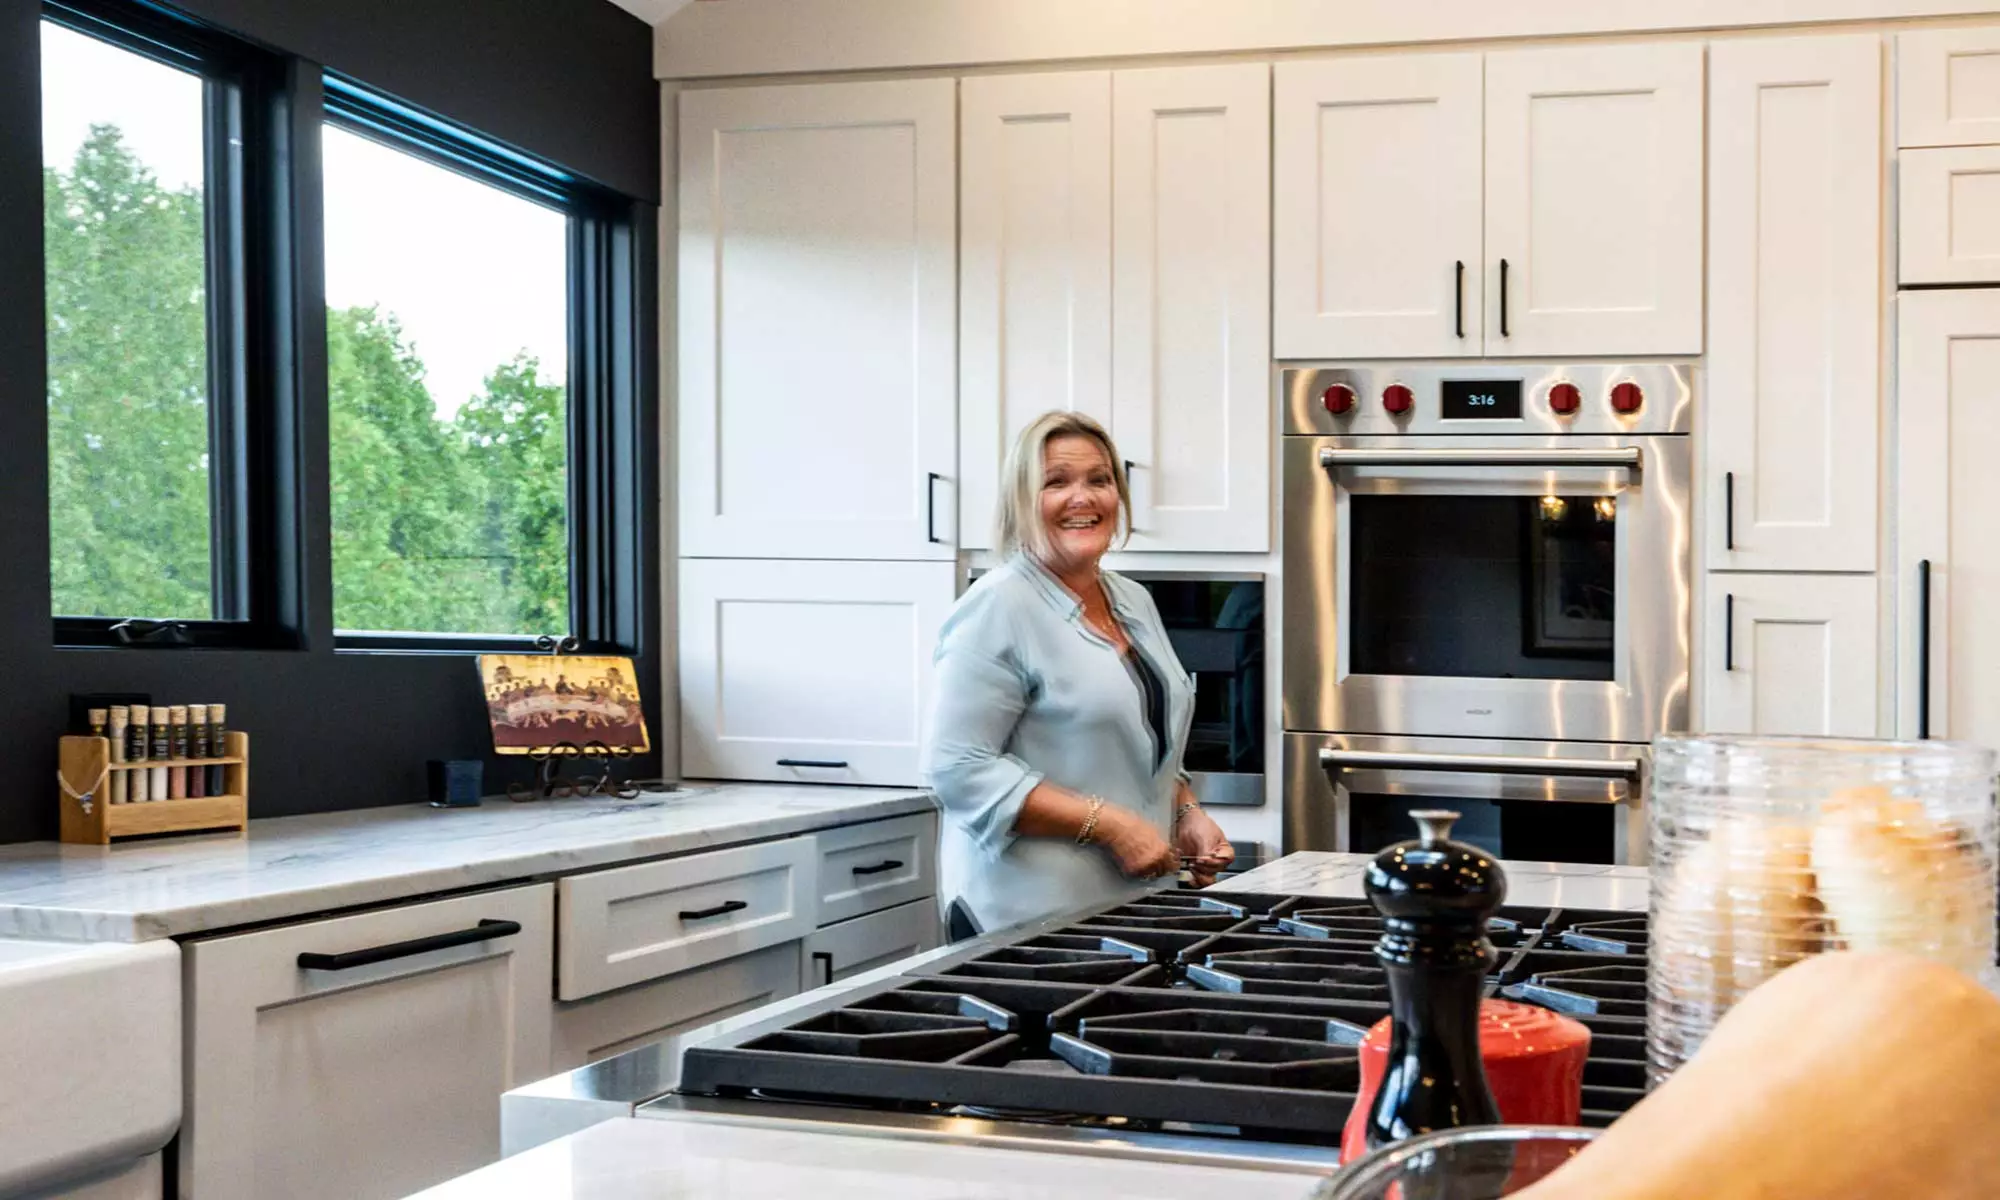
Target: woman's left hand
(1200,841)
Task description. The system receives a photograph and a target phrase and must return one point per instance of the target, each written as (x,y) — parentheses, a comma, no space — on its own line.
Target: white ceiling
(651,11)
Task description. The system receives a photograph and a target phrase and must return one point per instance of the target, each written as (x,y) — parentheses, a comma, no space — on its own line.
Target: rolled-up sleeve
(980,695)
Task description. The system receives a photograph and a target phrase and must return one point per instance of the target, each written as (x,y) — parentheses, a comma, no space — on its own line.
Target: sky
(474,274)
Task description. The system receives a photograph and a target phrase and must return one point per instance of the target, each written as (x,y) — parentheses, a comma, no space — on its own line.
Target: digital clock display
(1480,400)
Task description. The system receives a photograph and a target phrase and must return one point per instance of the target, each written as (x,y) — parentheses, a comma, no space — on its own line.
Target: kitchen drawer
(630,924)
(601,1026)
(871,866)
(839,951)
(1948,87)
(1949,221)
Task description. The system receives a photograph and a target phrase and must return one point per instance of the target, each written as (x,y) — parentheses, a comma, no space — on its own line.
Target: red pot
(1534,1064)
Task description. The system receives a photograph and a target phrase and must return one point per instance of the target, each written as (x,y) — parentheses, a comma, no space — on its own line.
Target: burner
(1361,923)
(1211,1058)
(1331,1030)
(1061,957)
(1291,973)
(1607,937)
(1606,991)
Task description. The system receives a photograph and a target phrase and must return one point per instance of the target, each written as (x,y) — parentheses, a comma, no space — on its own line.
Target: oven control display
(1480,400)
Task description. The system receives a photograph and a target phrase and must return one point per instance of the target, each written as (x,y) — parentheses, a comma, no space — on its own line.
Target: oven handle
(1628,769)
(1626,457)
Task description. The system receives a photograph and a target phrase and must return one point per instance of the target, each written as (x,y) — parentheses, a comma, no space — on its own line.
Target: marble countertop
(1529,884)
(291,866)
(665,1159)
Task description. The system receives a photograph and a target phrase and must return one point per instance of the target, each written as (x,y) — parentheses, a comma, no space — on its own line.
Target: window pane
(124,229)
(447,338)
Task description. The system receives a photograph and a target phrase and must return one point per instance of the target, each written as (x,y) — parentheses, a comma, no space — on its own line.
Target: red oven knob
(1627,397)
(1398,399)
(1339,399)
(1564,399)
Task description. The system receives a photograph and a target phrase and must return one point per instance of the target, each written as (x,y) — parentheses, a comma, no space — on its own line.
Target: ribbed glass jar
(1766,850)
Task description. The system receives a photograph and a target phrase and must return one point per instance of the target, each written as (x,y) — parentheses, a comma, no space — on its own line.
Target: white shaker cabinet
(1948,87)
(808,672)
(818,300)
(1377,207)
(362,1056)
(1594,200)
(849,948)
(1948,224)
(1948,550)
(1790,414)
(1192,390)
(1034,268)
(1791,654)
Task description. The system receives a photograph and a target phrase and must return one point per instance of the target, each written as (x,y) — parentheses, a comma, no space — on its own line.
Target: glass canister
(1766,850)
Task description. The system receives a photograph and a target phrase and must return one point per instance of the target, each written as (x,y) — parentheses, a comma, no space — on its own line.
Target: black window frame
(607,423)
(255,390)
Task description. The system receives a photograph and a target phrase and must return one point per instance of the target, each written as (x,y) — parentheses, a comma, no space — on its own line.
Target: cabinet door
(1948,545)
(865,943)
(1376,214)
(1948,226)
(1593,200)
(817,309)
(374,1080)
(814,672)
(1791,654)
(1191,304)
(1948,87)
(1034,314)
(595,1029)
(1794,311)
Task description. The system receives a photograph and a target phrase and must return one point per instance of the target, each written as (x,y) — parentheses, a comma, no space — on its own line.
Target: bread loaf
(1894,878)
(1736,911)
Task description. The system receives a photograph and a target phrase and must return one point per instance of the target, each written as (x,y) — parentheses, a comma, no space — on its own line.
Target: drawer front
(630,924)
(868,867)
(1949,216)
(840,951)
(588,1031)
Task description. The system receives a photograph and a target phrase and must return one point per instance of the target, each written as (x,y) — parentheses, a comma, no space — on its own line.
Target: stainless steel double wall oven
(1486,600)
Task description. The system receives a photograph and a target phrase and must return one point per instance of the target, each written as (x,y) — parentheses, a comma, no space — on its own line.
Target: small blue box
(455,783)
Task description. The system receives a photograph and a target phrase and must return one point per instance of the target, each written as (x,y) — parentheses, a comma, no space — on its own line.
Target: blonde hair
(1017,525)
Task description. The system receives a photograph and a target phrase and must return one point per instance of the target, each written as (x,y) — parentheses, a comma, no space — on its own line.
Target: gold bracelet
(1090,821)
(1184,810)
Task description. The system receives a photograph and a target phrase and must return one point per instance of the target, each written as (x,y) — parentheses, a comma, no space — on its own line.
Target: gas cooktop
(1187,1012)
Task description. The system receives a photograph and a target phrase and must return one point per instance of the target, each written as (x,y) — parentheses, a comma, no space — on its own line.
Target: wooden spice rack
(85,761)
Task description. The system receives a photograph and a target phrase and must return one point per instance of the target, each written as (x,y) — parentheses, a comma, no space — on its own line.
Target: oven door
(1525,801)
(1487,586)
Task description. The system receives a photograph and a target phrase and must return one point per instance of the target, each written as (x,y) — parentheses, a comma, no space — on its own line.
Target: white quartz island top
(667,1159)
(291,866)
(1530,884)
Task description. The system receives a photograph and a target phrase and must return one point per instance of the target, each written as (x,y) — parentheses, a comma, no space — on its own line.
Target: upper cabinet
(1378,207)
(818,299)
(1166,339)
(1791,419)
(1532,203)
(1034,267)
(1191,392)
(1949,218)
(1948,87)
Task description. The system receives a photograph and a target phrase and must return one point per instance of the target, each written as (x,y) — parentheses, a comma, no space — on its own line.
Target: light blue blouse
(1026,690)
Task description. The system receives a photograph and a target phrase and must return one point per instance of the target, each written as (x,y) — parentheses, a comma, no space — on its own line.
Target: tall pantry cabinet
(1790,422)
(816,424)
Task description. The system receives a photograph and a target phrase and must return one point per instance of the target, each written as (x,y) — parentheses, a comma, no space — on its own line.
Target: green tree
(516,439)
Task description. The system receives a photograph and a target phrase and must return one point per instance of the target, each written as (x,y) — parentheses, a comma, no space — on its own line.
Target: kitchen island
(642,1084)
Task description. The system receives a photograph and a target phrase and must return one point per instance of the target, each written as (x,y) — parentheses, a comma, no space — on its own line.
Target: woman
(1062,714)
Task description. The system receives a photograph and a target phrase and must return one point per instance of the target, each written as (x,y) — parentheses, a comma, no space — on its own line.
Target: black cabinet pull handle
(347,961)
(1923,648)
(1729,510)
(1729,631)
(930,507)
(1503,297)
(822,958)
(887,864)
(1458,294)
(1129,466)
(702,914)
(829,764)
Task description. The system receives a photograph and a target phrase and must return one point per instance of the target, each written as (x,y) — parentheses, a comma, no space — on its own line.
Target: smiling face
(1079,502)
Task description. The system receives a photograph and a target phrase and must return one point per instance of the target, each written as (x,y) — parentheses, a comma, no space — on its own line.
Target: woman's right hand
(1134,844)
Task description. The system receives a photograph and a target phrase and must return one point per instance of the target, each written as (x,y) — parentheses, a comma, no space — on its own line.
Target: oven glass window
(1523,830)
(1217,631)
(1493,587)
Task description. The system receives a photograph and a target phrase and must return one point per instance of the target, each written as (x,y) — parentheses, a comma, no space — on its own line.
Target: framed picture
(1571,598)
(535,700)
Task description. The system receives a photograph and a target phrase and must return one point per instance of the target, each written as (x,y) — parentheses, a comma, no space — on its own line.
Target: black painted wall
(568,80)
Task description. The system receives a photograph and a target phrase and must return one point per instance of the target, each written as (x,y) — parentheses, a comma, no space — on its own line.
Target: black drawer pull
(438,941)
(887,864)
(827,764)
(822,958)
(702,914)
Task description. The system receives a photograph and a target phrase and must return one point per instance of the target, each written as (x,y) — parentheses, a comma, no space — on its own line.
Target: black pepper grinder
(1435,896)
